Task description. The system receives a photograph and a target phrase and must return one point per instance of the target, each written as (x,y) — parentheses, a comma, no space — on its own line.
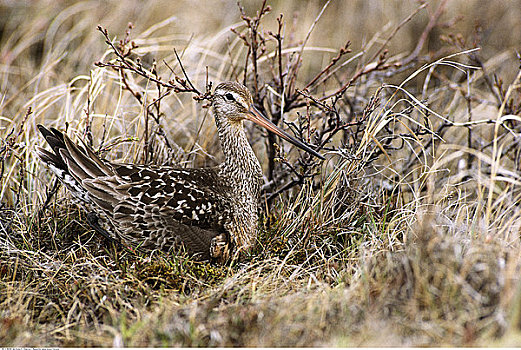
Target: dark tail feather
(80,162)
(63,163)
(79,156)
(48,157)
(96,159)
(55,139)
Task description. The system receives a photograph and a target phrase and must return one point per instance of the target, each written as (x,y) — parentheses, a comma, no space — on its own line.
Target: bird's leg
(220,248)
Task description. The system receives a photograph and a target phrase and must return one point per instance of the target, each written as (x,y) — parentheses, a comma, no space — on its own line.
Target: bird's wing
(190,196)
(149,204)
(157,206)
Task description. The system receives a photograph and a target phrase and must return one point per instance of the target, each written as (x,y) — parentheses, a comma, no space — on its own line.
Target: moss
(178,273)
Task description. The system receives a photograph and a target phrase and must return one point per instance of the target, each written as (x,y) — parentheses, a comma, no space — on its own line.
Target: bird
(212,212)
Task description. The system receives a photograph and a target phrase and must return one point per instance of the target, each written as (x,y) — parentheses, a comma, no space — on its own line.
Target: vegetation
(408,234)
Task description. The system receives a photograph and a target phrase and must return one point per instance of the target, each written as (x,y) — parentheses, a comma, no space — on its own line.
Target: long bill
(257,117)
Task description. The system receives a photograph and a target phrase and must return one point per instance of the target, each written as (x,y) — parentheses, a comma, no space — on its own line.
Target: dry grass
(418,246)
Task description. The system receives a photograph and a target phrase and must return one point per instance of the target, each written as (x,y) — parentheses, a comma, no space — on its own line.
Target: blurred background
(48,28)
(61,38)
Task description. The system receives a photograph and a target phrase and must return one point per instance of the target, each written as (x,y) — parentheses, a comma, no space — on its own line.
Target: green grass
(416,247)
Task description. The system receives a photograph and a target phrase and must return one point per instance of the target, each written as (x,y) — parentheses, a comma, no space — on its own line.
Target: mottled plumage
(211,211)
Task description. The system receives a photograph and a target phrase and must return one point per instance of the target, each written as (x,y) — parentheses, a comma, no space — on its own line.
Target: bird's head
(233,101)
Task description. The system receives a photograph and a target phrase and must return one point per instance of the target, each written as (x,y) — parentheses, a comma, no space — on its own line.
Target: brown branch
(344,50)
(296,67)
(381,53)
(193,89)
(177,84)
(423,38)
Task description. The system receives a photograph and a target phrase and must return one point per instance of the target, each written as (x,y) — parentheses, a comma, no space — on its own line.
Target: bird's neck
(241,167)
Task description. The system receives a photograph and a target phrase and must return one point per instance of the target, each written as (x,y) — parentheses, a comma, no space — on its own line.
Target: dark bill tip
(257,117)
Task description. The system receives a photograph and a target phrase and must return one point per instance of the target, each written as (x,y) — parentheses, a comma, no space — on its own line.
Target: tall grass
(407,235)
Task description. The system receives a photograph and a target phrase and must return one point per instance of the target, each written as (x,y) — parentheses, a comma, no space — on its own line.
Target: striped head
(232,100)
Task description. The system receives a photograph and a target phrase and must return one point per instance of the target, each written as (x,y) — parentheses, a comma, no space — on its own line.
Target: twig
(344,50)
(433,20)
(185,75)
(296,67)
(49,194)
(381,53)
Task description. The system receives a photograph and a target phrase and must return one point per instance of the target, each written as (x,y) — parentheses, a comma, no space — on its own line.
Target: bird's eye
(229,97)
